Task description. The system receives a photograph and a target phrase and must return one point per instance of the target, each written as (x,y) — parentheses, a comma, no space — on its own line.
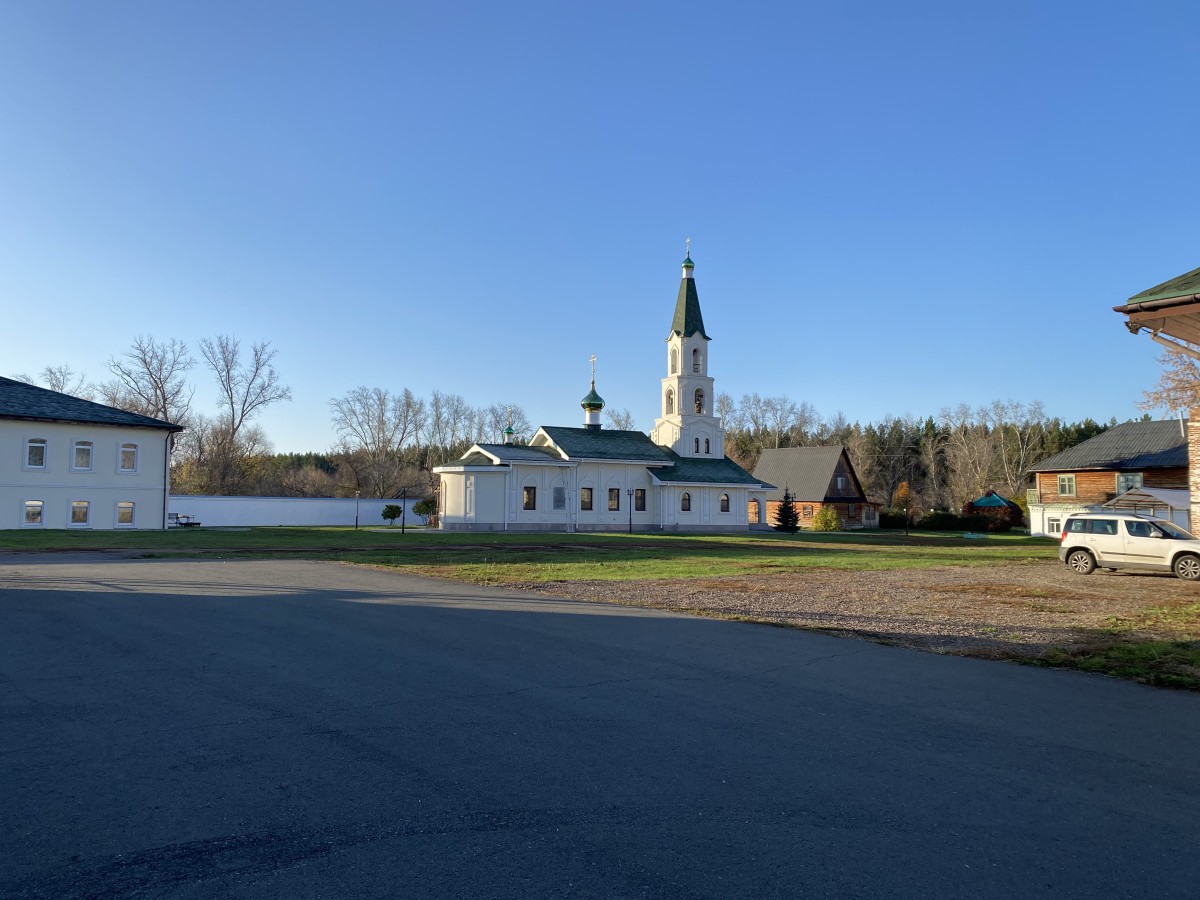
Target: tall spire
(687,320)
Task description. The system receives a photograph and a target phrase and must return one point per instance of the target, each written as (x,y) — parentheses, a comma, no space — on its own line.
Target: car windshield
(1171,530)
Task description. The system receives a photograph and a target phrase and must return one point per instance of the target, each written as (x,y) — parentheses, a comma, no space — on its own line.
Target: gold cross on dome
(688,244)
(593,367)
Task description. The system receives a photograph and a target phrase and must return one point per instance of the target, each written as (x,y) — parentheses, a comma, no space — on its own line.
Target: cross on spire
(688,245)
(593,370)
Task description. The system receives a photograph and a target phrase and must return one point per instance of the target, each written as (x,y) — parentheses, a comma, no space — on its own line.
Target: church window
(695,359)
(529,497)
(685,502)
(585,498)
(674,360)
(724,503)
(614,499)
(559,498)
(670,402)
(639,499)
(699,400)
(697,443)
(707,446)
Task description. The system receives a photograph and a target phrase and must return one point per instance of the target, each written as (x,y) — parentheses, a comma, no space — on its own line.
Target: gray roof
(606,443)
(807,473)
(19,400)
(1129,447)
(690,470)
(507,454)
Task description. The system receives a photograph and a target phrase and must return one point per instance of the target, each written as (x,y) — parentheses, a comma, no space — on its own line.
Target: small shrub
(392,512)
(827,519)
(425,508)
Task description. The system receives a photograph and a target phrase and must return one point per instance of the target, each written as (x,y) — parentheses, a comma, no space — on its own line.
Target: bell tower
(688,424)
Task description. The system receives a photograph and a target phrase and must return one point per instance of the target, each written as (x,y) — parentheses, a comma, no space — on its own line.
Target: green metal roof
(690,470)
(687,262)
(687,320)
(605,443)
(1184,286)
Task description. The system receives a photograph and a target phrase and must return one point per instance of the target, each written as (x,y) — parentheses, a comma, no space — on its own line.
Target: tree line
(387,442)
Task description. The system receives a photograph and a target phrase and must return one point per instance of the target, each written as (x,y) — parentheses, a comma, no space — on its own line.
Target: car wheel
(1187,567)
(1081,562)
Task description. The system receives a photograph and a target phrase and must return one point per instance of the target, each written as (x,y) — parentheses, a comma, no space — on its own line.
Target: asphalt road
(296,729)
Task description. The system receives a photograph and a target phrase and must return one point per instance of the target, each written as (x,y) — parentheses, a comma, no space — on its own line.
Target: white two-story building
(71,463)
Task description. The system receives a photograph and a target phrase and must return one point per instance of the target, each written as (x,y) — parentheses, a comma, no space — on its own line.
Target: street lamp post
(629,494)
(403,507)
(356,510)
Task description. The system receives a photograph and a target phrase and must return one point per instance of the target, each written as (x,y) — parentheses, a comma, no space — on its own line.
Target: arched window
(695,359)
(724,503)
(699,400)
(674,360)
(697,445)
(706,446)
(670,401)
(685,502)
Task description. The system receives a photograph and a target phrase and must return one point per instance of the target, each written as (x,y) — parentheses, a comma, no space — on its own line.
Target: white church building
(594,479)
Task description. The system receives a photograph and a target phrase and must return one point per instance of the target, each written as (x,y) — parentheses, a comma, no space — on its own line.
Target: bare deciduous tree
(376,421)
(246,388)
(1178,386)
(150,378)
(620,419)
(64,379)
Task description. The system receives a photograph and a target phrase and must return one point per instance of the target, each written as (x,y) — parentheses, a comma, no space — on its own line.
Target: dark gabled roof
(1183,286)
(520,453)
(690,470)
(19,400)
(478,455)
(605,443)
(1132,446)
(806,472)
(687,320)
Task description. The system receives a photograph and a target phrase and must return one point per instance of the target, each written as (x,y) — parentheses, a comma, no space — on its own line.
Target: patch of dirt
(998,611)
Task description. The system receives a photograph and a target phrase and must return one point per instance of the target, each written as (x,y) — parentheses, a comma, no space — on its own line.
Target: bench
(176,520)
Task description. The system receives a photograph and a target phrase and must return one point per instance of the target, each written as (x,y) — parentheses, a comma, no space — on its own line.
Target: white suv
(1124,541)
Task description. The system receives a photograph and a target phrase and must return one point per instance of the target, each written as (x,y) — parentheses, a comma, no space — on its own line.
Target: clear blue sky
(894,207)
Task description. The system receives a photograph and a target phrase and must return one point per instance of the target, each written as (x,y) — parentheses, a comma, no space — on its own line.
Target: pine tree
(786,517)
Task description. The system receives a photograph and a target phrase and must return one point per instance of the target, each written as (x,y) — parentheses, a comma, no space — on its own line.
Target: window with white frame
(34,513)
(1066,485)
(685,502)
(81,511)
(1128,481)
(558,497)
(81,458)
(585,498)
(1053,526)
(639,499)
(614,499)
(724,503)
(125,514)
(129,457)
(35,453)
